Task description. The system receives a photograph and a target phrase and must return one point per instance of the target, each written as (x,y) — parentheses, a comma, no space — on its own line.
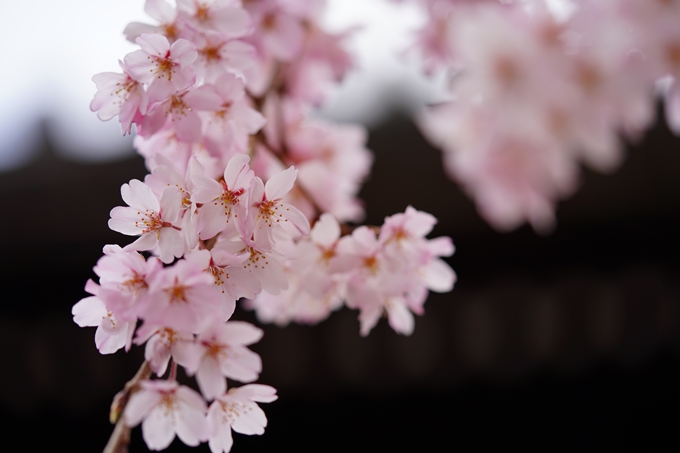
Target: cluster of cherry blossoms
(244,200)
(538,87)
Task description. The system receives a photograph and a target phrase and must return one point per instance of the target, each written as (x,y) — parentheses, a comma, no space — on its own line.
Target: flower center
(177,293)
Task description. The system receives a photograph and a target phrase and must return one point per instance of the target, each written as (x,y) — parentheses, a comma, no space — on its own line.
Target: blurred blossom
(47,74)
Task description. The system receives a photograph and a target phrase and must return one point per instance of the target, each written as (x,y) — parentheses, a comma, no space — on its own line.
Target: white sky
(51,49)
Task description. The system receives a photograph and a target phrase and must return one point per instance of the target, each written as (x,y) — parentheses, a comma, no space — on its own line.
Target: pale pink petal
(156,119)
(134,30)
(256,193)
(157,353)
(124,219)
(287,39)
(187,354)
(139,196)
(89,312)
(280,184)
(439,277)
(145,242)
(170,204)
(141,67)
(297,222)
(160,10)
(188,127)
(158,429)
(441,246)
(240,332)
(326,230)
(159,92)
(211,220)
(399,317)
(153,44)
(191,398)
(139,405)
(205,189)
(234,22)
(250,421)
(230,87)
(239,54)
(255,392)
(183,52)
(204,98)
(244,366)
(191,424)
(272,277)
(238,174)
(368,317)
(244,283)
(108,342)
(210,379)
(221,439)
(249,120)
(170,245)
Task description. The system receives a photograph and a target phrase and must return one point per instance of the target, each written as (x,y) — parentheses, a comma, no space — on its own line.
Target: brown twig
(120,437)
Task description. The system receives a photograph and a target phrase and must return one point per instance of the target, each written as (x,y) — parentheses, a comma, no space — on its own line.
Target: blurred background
(566,342)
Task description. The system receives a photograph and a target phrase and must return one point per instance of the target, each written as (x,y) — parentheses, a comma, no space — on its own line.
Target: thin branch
(120,437)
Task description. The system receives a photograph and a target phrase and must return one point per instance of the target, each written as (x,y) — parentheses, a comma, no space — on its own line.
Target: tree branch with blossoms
(247,198)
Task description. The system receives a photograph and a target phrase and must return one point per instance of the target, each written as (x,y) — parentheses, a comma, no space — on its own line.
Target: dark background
(567,342)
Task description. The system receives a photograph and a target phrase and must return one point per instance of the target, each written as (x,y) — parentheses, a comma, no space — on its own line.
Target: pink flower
(112,333)
(124,277)
(333,162)
(237,410)
(223,354)
(165,408)
(174,112)
(231,279)
(184,298)
(316,285)
(218,54)
(268,212)
(278,33)
(231,119)
(224,201)
(164,343)
(155,220)
(166,68)
(119,94)
(215,15)
(267,269)
(161,11)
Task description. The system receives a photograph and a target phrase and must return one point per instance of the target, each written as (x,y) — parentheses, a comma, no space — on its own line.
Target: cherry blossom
(167,68)
(155,220)
(231,119)
(161,11)
(166,409)
(223,201)
(164,343)
(183,297)
(270,213)
(222,93)
(222,352)
(238,410)
(119,94)
(112,333)
(215,15)
(124,277)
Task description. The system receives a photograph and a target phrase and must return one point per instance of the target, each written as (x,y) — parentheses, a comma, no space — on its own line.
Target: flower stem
(120,437)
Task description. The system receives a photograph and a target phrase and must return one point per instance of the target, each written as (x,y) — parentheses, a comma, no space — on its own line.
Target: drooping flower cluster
(388,273)
(537,91)
(220,94)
